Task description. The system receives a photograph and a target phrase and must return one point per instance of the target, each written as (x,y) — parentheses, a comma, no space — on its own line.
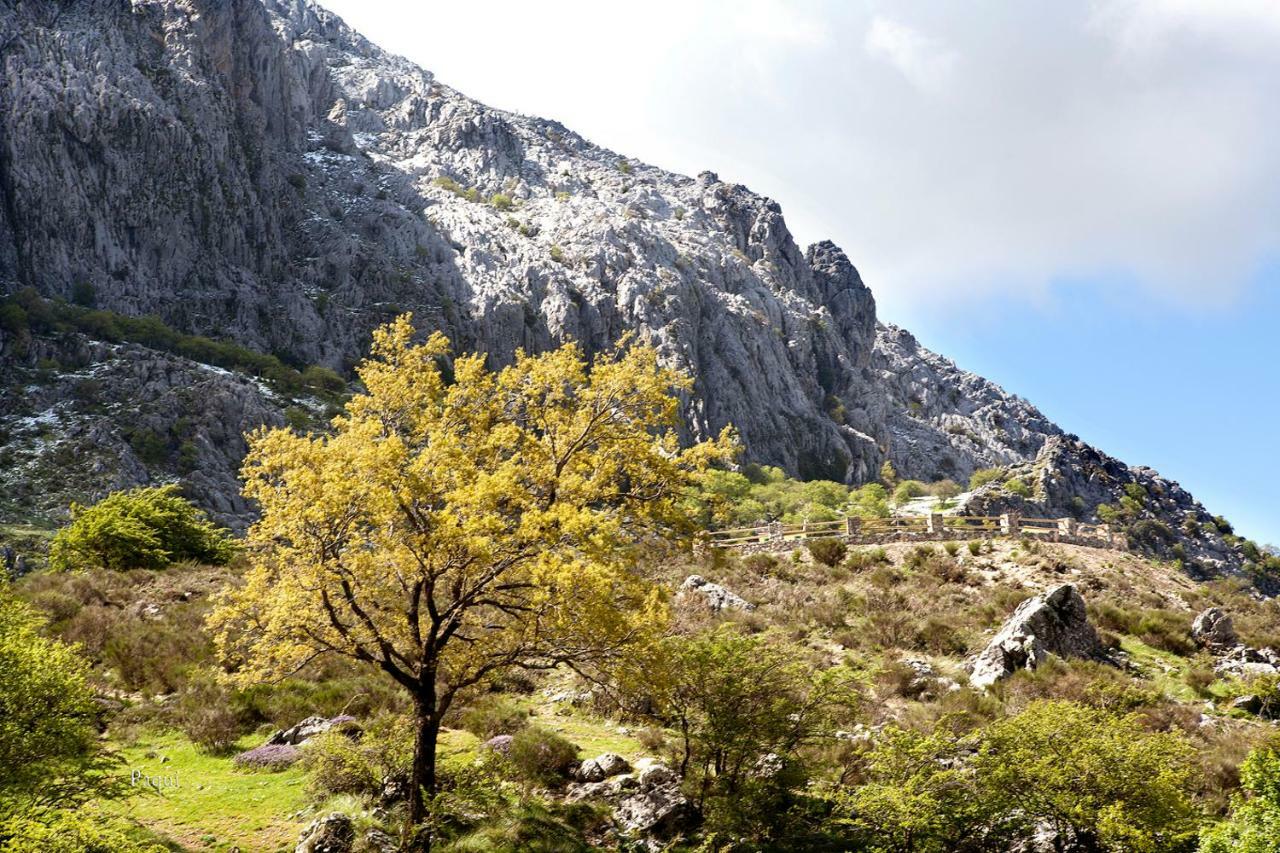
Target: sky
(1080,201)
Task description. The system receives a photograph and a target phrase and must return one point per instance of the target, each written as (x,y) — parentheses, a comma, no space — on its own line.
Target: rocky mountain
(254,170)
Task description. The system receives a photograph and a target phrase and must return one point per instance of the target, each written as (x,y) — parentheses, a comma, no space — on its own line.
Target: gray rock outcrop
(1054,623)
(1213,629)
(601,767)
(712,595)
(308,728)
(332,833)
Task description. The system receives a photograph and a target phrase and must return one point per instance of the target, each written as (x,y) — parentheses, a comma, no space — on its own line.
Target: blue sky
(1080,201)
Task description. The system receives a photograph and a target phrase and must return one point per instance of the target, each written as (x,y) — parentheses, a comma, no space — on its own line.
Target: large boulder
(332,833)
(655,808)
(601,767)
(1213,629)
(712,595)
(309,728)
(1054,623)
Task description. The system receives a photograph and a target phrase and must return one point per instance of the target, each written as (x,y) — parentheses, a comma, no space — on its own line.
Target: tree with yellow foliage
(456,526)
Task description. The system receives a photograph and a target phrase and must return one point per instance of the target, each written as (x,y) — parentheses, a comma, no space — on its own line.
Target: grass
(214,806)
(1168,671)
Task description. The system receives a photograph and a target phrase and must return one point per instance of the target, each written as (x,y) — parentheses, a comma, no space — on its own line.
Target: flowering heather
(276,756)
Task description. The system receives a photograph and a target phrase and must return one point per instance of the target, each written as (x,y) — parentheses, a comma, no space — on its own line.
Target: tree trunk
(422,784)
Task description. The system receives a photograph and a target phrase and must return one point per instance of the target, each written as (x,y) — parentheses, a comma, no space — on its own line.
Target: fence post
(1011,525)
(852,525)
(936,524)
(1067,528)
(775,530)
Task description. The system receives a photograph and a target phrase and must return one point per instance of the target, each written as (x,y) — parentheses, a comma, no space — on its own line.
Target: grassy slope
(219,807)
(215,806)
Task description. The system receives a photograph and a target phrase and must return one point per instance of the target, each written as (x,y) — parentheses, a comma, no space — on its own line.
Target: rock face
(255,170)
(1070,479)
(1213,629)
(712,595)
(1053,623)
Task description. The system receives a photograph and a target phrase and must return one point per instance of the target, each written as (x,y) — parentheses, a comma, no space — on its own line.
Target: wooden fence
(776,536)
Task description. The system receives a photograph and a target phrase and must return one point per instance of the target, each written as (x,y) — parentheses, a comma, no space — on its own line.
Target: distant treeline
(27,311)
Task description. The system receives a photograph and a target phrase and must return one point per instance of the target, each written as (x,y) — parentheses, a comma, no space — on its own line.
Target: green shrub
(1016,486)
(1254,825)
(146,528)
(983,476)
(975,547)
(493,715)
(828,552)
(866,558)
(501,201)
(339,765)
(540,756)
(908,489)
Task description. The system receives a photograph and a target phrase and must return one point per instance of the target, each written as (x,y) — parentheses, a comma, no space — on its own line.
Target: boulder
(1249,703)
(601,767)
(1053,623)
(713,595)
(656,807)
(333,833)
(309,728)
(1213,629)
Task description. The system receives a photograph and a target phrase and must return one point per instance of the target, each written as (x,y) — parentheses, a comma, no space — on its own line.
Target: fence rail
(915,528)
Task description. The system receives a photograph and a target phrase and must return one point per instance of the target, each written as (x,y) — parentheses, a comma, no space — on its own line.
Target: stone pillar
(775,530)
(1011,525)
(1067,528)
(936,524)
(852,525)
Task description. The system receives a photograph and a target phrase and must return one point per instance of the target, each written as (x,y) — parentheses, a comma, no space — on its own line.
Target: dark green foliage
(1254,825)
(341,765)
(493,715)
(144,528)
(27,309)
(828,552)
(1096,778)
(541,756)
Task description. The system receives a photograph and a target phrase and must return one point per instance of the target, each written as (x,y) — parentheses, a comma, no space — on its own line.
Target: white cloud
(1136,139)
(924,61)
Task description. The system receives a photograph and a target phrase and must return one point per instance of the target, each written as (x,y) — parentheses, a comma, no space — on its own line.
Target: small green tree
(50,758)
(919,796)
(1099,779)
(144,528)
(983,476)
(1254,825)
(741,703)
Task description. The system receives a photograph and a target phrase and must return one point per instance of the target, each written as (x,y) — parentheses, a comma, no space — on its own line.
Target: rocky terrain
(254,170)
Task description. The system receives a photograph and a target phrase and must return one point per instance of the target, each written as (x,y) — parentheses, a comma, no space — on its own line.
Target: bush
(908,489)
(46,707)
(1254,824)
(1015,486)
(866,558)
(147,528)
(205,713)
(492,715)
(975,547)
(983,476)
(540,756)
(828,552)
(339,765)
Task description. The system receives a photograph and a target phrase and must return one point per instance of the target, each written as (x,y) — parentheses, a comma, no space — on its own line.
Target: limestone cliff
(257,171)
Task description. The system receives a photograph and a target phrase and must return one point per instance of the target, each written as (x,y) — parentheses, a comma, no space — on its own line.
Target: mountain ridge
(256,170)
